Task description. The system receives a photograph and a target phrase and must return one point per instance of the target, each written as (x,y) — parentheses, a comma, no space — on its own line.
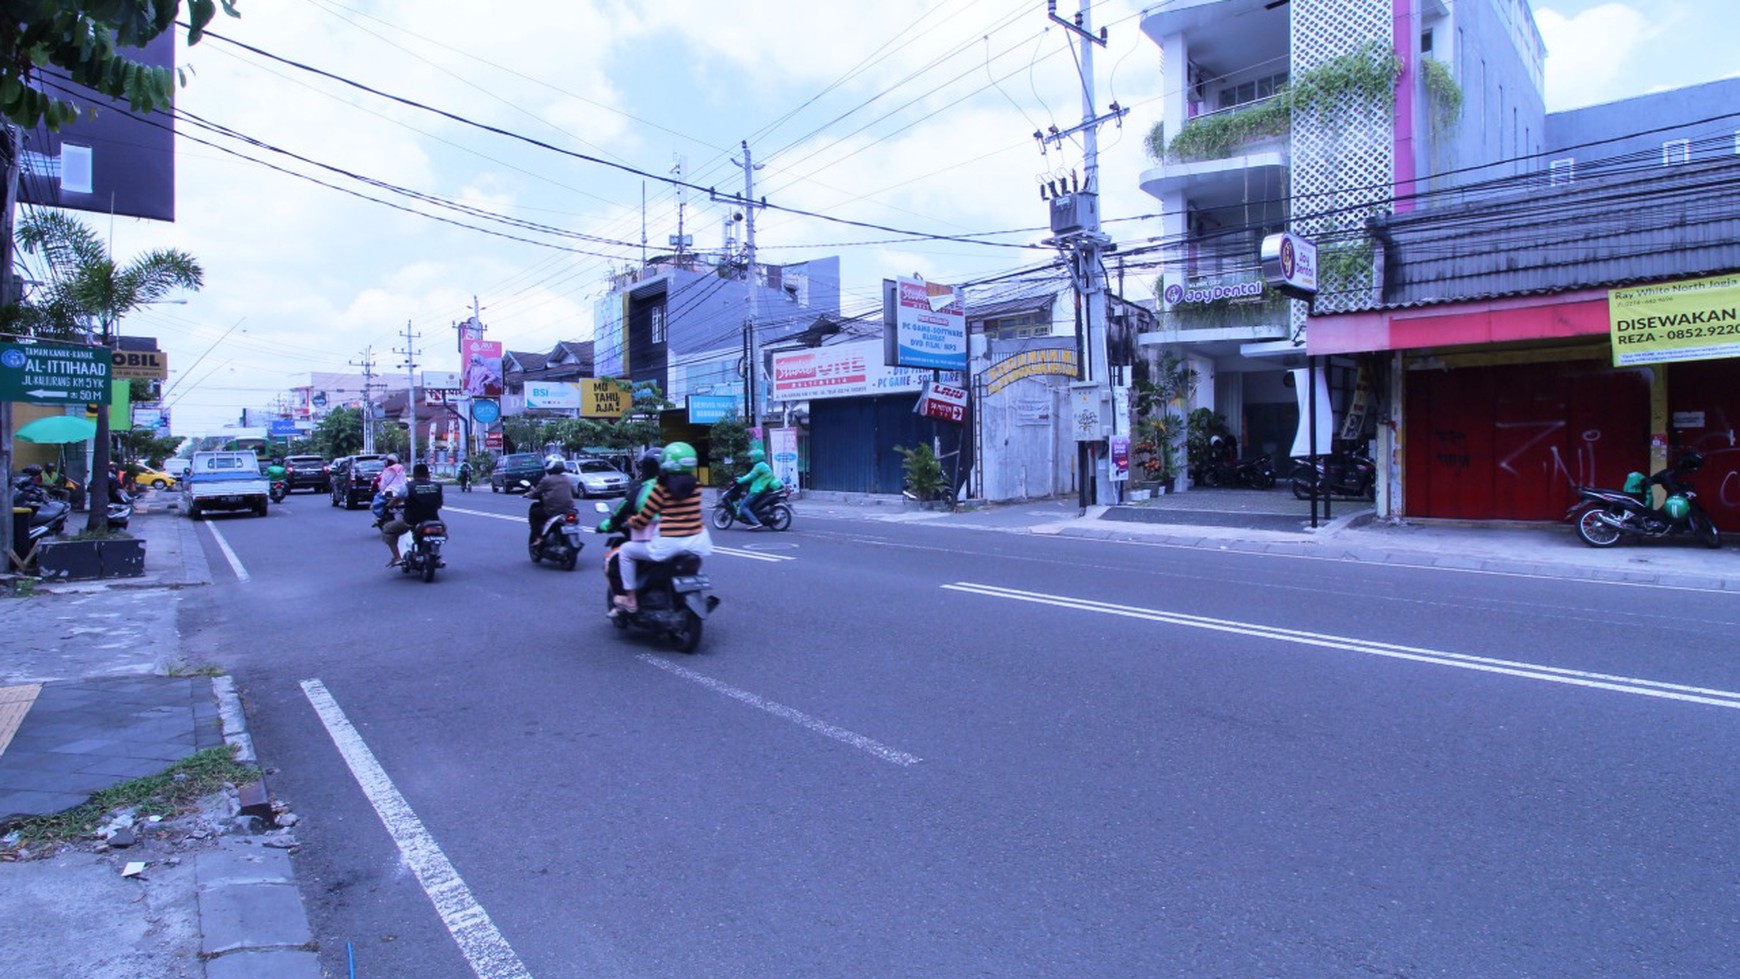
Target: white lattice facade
(1344,163)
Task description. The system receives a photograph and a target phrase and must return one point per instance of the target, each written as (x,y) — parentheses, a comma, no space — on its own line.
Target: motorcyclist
(675,503)
(390,483)
(553,495)
(421,501)
(276,473)
(757,484)
(646,471)
(464,476)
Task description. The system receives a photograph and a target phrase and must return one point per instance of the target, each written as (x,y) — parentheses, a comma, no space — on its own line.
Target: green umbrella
(58,428)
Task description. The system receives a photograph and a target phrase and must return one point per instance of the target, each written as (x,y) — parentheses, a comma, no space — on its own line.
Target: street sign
(53,373)
(485,411)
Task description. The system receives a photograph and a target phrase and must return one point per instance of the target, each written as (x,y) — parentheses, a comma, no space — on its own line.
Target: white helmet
(392,458)
(554,464)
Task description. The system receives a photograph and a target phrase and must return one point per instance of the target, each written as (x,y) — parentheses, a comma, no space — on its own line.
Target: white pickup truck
(224,481)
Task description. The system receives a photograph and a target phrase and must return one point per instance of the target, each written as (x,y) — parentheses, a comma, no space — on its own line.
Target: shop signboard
(1696,319)
(840,371)
(560,395)
(144,365)
(925,325)
(601,397)
(945,402)
(706,409)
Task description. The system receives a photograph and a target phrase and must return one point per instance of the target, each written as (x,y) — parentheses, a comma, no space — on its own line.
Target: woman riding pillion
(646,472)
(675,503)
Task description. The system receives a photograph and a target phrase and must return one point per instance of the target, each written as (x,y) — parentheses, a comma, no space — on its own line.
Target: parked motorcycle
(1349,474)
(48,514)
(774,512)
(120,508)
(674,597)
(420,549)
(1605,517)
(1228,470)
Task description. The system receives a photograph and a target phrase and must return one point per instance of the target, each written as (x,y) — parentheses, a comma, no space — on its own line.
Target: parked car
(154,478)
(512,468)
(595,477)
(307,472)
(352,480)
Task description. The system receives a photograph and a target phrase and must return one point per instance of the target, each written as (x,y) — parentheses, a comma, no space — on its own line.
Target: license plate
(693,582)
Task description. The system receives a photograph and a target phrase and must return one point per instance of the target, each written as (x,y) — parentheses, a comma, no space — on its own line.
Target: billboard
(108,159)
(482,367)
(563,395)
(840,371)
(1697,319)
(924,325)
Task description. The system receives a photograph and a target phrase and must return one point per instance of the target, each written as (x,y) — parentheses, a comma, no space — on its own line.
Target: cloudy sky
(914,116)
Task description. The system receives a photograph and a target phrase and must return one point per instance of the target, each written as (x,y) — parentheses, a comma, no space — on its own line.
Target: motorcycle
(464,480)
(279,489)
(559,540)
(1228,470)
(1350,474)
(420,549)
(48,515)
(1605,517)
(774,512)
(120,508)
(674,597)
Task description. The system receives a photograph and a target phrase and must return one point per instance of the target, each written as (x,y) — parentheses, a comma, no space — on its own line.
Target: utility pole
(368,409)
(410,366)
(9,144)
(1075,221)
(752,345)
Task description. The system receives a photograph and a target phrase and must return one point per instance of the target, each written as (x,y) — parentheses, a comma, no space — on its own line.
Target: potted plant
(1168,387)
(925,480)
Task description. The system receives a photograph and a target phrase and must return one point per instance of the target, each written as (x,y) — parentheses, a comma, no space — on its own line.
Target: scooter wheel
(1705,529)
(687,637)
(1597,532)
(722,518)
(779,518)
(570,561)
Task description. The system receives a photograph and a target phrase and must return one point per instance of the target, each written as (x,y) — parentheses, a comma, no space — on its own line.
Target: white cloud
(1590,54)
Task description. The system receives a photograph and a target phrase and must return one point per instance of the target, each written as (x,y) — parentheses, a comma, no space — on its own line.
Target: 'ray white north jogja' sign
(1698,319)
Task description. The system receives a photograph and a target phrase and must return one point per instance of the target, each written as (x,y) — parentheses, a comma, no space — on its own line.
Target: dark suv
(512,468)
(353,480)
(307,472)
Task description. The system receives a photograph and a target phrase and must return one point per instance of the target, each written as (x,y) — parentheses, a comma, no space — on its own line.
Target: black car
(353,480)
(307,472)
(512,468)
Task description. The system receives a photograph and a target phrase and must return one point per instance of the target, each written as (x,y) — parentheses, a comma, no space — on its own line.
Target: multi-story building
(1315,116)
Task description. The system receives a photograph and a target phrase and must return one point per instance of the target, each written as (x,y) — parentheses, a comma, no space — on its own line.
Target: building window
(1676,151)
(1563,171)
(657,324)
(1254,90)
(1425,42)
(1018,327)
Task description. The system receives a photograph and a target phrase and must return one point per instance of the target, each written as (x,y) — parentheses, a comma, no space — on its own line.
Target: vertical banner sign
(782,455)
(482,367)
(1120,447)
(930,326)
(1698,319)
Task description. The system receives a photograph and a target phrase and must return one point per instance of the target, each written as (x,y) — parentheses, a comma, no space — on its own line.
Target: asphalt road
(915,751)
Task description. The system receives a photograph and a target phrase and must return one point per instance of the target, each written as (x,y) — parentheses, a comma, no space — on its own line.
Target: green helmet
(756,455)
(679,457)
(1676,507)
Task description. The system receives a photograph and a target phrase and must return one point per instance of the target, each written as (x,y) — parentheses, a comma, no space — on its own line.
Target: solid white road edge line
(1531,671)
(797,717)
(484,947)
(229,555)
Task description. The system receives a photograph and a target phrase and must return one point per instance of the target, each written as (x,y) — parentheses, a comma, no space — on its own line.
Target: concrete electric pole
(410,366)
(1075,224)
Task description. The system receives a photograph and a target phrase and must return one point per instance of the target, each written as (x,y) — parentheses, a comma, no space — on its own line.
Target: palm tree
(88,291)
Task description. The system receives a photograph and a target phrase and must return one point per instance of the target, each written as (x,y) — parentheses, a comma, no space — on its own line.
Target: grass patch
(172,793)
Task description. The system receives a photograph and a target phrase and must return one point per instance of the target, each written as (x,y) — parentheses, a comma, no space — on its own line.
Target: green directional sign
(54,373)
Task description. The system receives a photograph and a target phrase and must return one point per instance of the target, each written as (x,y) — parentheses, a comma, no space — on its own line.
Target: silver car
(595,477)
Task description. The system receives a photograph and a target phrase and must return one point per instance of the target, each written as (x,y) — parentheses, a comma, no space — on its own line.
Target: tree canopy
(84,38)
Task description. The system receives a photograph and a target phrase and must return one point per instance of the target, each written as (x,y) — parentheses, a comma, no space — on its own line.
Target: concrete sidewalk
(1271,521)
(96,689)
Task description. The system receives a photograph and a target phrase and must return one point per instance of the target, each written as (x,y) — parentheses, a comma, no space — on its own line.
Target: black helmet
(647,466)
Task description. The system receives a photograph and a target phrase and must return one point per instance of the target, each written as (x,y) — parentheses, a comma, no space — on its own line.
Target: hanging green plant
(1345,268)
(1367,75)
(1444,94)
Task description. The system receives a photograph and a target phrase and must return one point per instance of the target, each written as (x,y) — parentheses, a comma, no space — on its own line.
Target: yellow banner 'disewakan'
(1697,319)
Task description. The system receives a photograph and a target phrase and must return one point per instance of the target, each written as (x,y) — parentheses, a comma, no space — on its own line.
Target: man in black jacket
(423,498)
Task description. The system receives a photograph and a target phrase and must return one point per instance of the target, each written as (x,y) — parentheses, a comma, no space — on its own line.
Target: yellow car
(154,479)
